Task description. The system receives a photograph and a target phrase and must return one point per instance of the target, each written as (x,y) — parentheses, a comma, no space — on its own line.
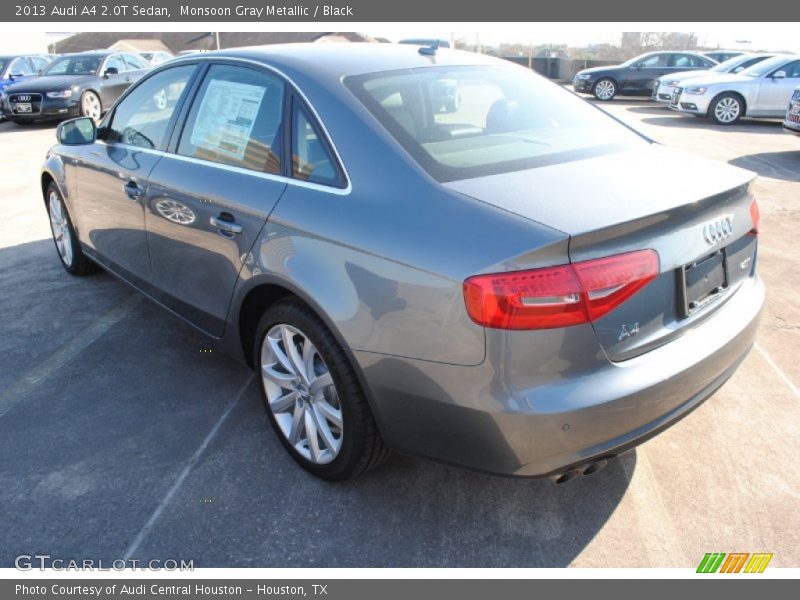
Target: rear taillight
(755,217)
(558,296)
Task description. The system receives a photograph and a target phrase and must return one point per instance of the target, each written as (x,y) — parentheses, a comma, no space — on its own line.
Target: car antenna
(429,50)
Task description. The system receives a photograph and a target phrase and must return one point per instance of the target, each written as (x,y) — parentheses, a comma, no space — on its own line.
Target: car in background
(722,55)
(636,77)
(157,57)
(83,84)
(662,90)
(792,120)
(760,91)
(439,43)
(15,68)
(508,287)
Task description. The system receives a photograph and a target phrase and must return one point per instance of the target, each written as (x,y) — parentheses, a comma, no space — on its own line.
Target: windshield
(764,67)
(462,122)
(730,64)
(74,65)
(635,59)
(3,63)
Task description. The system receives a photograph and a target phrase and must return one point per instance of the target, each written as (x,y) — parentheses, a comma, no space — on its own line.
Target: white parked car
(157,57)
(792,121)
(761,91)
(666,84)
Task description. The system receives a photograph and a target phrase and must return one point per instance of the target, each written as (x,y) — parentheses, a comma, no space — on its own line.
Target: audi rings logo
(718,229)
(23,98)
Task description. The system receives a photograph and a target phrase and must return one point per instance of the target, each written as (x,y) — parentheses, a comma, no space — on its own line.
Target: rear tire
(726,109)
(327,428)
(74,261)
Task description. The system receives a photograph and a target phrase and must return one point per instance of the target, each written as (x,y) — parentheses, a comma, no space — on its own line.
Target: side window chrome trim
(269,176)
(294,88)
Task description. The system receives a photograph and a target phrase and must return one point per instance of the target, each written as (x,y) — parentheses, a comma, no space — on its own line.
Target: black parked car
(636,76)
(84,84)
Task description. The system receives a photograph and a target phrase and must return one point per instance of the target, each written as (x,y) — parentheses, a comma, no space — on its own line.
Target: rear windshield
(462,122)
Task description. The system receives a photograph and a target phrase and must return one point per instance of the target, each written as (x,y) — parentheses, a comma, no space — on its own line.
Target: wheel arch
(731,93)
(265,291)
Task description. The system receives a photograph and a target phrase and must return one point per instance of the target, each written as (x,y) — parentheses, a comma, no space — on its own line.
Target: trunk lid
(648,197)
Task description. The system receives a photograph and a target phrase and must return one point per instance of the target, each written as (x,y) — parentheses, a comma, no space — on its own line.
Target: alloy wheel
(301,394)
(90,106)
(727,110)
(605,89)
(160,99)
(60,225)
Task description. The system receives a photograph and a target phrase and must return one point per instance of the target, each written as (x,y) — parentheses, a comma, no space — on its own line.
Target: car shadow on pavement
(103,434)
(777,165)
(11,126)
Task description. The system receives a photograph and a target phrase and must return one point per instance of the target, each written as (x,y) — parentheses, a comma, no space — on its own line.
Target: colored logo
(735,562)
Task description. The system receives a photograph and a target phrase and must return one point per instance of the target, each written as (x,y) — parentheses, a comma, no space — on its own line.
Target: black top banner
(406,10)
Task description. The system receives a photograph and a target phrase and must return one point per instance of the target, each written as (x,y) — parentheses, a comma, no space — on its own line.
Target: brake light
(755,216)
(558,296)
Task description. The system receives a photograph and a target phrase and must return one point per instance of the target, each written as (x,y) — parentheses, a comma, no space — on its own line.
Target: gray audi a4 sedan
(502,284)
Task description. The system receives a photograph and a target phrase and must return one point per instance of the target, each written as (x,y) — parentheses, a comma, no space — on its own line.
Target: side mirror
(779,75)
(110,71)
(77,132)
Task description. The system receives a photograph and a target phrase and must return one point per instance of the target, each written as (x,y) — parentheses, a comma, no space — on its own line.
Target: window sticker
(226,117)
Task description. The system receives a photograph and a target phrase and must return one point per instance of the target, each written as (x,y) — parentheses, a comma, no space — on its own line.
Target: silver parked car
(664,86)
(760,91)
(792,120)
(498,285)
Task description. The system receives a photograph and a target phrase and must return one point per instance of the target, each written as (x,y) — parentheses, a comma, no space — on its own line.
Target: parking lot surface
(123,436)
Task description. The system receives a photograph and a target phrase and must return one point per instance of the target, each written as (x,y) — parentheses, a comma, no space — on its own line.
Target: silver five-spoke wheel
(60,225)
(301,394)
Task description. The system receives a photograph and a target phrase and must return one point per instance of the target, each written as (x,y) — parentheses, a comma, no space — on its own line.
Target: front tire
(726,109)
(312,395)
(91,106)
(605,89)
(74,261)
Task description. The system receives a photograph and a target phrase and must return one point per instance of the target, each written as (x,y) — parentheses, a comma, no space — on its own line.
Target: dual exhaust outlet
(586,469)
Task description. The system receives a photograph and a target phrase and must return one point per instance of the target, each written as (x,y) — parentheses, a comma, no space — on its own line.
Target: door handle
(133,190)
(225,224)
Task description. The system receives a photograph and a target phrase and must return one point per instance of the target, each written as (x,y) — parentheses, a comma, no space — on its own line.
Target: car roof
(336,60)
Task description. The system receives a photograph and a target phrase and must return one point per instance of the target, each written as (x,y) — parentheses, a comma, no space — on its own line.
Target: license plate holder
(703,281)
(23,107)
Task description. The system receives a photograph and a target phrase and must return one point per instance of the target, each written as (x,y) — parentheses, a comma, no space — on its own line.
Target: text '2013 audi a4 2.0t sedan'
(497,284)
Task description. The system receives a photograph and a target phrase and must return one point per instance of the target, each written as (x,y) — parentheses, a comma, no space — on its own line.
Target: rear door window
(312,160)
(236,119)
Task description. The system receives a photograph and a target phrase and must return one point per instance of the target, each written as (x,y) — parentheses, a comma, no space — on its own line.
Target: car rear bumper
(496,419)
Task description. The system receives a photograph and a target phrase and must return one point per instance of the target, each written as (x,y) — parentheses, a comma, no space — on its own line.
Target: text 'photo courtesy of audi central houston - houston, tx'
(494,282)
